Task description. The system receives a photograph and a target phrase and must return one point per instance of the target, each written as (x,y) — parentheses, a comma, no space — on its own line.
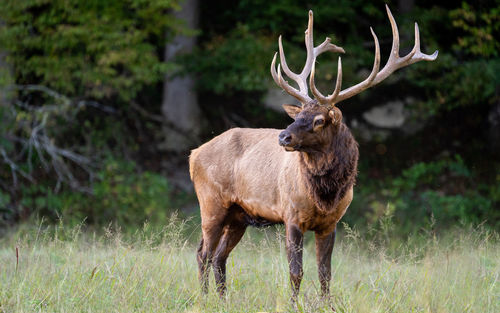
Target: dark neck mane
(332,172)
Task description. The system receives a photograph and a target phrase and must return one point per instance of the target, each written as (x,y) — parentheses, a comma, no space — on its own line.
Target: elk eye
(319,121)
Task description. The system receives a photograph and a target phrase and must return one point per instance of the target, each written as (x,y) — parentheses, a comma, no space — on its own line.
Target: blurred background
(102,101)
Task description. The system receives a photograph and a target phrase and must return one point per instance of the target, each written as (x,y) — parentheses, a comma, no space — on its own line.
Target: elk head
(317,119)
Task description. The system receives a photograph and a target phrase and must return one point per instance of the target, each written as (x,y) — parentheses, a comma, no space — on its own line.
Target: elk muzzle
(285,140)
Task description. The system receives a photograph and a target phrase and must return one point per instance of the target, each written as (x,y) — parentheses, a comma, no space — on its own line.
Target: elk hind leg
(212,223)
(233,232)
(202,267)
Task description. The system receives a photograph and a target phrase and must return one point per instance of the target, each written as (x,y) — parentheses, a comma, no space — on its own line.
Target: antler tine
(274,74)
(351,91)
(394,62)
(303,98)
(327,46)
(338,84)
(376,63)
(287,70)
(418,55)
(283,83)
(309,41)
(394,59)
(314,52)
(395,36)
(301,79)
(317,94)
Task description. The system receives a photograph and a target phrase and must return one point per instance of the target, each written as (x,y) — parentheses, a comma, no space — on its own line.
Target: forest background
(101,102)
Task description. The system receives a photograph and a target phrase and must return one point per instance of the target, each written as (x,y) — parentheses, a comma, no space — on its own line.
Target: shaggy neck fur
(332,172)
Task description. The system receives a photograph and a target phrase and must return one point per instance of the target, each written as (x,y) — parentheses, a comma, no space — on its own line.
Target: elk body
(302,176)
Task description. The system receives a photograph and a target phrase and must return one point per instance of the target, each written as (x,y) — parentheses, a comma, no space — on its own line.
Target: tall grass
(66,270)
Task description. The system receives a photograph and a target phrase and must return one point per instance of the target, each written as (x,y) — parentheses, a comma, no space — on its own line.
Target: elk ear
(335,115)
(292,110)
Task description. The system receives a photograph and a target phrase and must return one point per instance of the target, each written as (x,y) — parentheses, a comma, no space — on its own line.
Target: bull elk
(302,176)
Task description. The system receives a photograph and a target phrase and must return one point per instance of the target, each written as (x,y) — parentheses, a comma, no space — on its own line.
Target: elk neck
(331,172)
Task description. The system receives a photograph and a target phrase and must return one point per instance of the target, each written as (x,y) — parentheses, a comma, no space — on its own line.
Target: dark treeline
(101,102)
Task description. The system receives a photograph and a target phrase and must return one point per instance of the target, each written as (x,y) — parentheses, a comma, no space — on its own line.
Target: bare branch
(14,168)
(51,157)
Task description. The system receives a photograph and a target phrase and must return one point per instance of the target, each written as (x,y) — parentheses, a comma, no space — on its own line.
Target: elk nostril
(285,138)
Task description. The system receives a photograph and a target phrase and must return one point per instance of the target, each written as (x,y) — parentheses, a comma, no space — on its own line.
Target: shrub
(122,195)
(443,192)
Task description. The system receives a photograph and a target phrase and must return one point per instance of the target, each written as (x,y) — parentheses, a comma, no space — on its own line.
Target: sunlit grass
(66,270)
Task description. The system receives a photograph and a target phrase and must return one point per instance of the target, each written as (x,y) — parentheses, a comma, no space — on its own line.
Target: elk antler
(301,79)
(394,63)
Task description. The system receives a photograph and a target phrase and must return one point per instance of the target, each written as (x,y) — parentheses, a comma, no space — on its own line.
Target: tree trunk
(180,105)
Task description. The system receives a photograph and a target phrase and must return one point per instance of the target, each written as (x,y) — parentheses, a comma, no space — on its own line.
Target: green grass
(67,270)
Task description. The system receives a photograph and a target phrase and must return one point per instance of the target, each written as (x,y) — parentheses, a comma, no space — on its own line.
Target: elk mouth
(286,141)
(292,148)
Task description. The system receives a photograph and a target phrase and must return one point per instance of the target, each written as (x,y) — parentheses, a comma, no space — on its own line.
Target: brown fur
(243,177)
(330,174)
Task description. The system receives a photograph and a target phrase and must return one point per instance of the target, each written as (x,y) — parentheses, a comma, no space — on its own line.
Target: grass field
(67,270)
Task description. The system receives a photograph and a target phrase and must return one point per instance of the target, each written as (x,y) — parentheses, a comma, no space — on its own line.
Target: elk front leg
(294,248)
(324,247)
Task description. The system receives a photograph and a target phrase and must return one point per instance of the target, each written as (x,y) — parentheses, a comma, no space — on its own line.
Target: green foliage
(461,84)
(226,64)
(122,195)
(467,72)
(61,56)
(444,192)
(481,29)
(96,49)
(427,173)
(444,189)
(470,206)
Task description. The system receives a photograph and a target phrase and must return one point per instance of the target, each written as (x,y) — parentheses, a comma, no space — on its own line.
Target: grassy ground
(66,270)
